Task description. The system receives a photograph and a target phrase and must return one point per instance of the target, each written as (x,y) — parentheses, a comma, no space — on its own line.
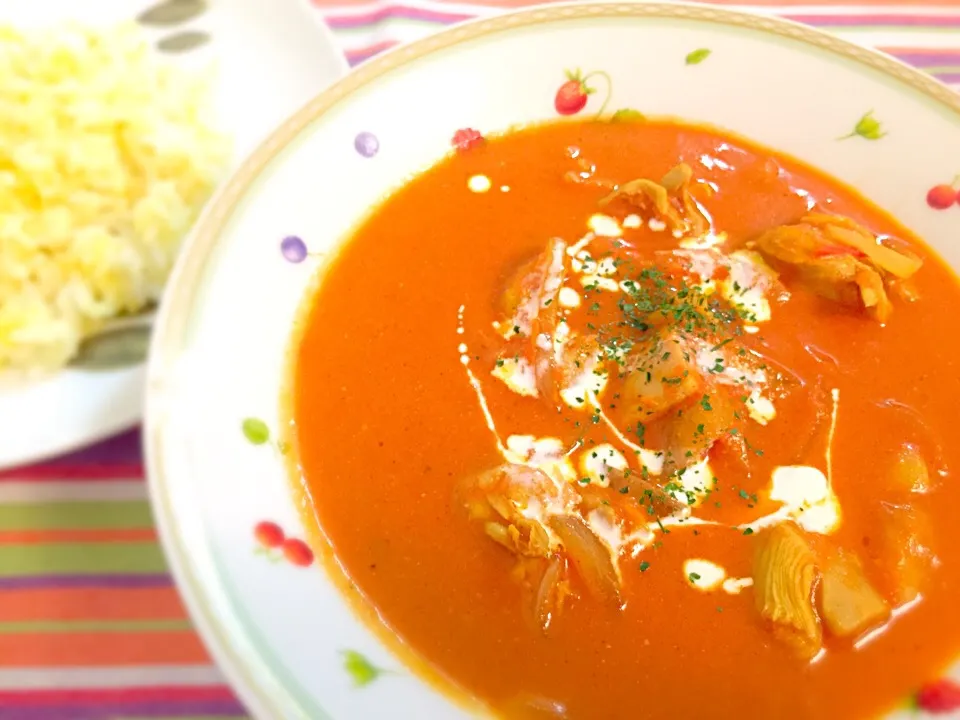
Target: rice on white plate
(107,155)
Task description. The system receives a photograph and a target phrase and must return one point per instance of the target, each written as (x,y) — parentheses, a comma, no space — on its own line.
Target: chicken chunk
(498,498)
(839,260)
(785,577)
(849,603)
(906,550)
(670,199)
(660,374)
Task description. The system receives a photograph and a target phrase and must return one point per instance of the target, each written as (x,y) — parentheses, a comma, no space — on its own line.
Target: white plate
(272,57)
(285,635)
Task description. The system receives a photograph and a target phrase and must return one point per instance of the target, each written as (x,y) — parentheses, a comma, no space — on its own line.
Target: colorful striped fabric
(921,36)
(91,627)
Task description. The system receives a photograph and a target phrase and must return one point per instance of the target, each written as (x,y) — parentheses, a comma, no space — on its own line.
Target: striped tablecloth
(91,627)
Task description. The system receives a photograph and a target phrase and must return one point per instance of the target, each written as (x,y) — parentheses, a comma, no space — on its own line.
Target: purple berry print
(293,249)
(367,144)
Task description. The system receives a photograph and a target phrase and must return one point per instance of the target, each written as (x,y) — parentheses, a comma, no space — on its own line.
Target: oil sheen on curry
(640,420)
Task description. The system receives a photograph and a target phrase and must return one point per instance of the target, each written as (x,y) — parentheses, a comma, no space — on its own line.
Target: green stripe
(100,515)
(93,626)
(81,558)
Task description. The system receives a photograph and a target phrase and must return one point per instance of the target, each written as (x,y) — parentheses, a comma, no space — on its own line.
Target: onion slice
(590,557)
(547,600)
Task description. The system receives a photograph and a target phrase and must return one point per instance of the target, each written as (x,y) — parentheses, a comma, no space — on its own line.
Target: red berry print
(940,197)
(572,96)
(268,534)
(276,546)
(466,138)
(297,552)
(939,697)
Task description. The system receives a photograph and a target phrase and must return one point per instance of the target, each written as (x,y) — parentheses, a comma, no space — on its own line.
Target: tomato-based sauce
(623,420)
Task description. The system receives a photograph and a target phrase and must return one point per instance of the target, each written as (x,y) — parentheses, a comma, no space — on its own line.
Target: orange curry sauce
(388,427)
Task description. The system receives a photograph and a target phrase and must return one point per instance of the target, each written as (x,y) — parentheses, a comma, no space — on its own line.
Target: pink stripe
(921,58)
(54,582)
(161,710)
(355,57)
(393,12)
(36,698)
(56,471)
(893,20)
(868,17)
(924,57)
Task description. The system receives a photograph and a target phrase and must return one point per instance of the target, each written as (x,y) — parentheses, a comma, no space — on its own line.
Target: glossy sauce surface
(388,425)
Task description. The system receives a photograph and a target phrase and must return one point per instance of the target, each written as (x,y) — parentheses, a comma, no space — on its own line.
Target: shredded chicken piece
(530,326)
(497,499)
(530,298)
(670,199)
(849,281)
(848,233)
(520,507)
(840,260)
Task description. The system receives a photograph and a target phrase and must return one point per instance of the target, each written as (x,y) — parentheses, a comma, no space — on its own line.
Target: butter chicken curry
(641,420)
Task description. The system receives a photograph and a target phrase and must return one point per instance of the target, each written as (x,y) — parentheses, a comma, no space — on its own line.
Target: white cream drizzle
(746,285)
(733,586)
(696,479)
(596,463)
(523,317)
(580,245)
(479,183)
(517,374)
(703,242)
(599,282)
(650,459)
(835,396)
(807,497)
(568,297)
(703,574)
(609,532)
(589,383)
(477,388)
(760,408)
(604,226)
(475,384)
(731,372)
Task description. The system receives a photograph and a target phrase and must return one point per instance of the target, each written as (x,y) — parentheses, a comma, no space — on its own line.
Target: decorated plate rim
(173,314)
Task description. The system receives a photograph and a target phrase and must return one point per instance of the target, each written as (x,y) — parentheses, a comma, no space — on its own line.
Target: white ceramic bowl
(285,635)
